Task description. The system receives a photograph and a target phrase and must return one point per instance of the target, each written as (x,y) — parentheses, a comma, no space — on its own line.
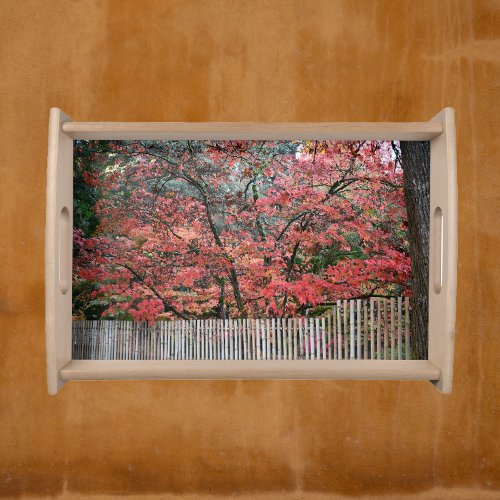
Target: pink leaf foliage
(258,228)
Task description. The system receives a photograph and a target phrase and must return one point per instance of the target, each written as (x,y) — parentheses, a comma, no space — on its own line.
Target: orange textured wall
(256,61)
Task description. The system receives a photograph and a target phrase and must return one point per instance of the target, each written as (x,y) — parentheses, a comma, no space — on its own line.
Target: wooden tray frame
(440,131)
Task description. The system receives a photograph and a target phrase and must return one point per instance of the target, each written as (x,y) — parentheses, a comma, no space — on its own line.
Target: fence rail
(351,329)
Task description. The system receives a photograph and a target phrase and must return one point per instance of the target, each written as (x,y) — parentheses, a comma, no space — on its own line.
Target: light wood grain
(348,131)
(58,293)
(236,370)
(442,302)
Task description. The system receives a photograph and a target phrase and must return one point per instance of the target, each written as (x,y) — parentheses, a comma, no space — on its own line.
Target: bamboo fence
(352,329)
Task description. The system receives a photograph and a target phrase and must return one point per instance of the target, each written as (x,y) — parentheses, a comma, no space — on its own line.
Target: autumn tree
(241,228)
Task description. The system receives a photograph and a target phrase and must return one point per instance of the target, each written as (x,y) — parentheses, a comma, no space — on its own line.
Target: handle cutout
(64,250)
(437,274)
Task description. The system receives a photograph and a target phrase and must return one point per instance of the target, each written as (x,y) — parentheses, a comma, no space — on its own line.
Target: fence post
(365,330)
(400,328)
(340,330)
(407,328)
(311,337)
(393,330)
(358,327)
(268,339)
(352,354)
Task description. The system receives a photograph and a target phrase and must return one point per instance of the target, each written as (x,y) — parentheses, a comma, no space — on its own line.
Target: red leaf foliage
(201,229)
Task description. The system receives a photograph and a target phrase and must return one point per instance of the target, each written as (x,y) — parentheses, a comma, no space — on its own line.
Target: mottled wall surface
(255,61)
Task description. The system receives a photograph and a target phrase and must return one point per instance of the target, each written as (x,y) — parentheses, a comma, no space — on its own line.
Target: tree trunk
(222,298)
(415,158)
(233,276)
